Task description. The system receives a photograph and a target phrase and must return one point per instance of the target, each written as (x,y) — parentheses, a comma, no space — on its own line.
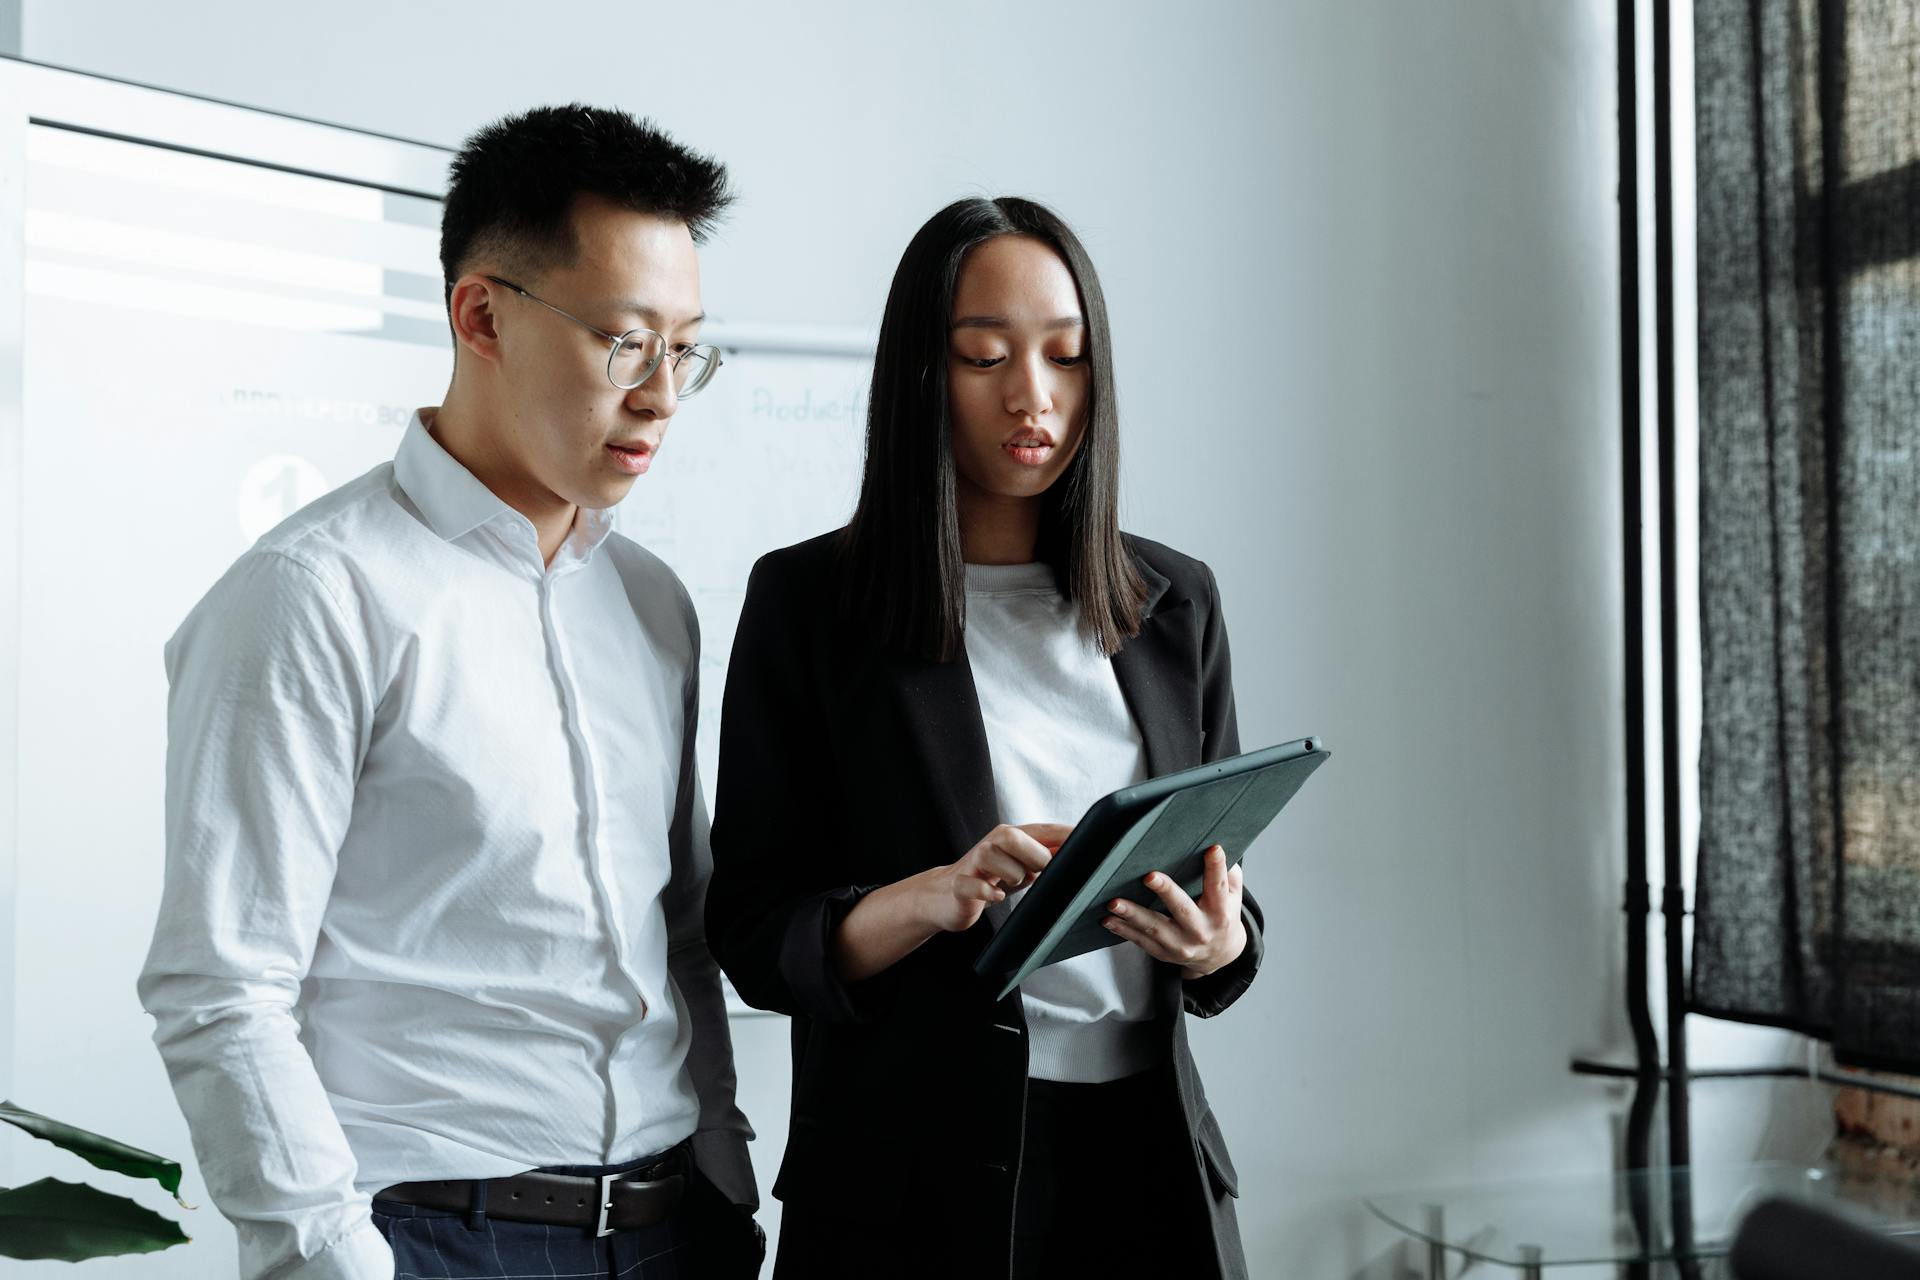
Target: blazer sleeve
(777,894)
(1220,727)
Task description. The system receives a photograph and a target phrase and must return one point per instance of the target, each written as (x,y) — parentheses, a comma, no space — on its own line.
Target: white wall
(1360,259)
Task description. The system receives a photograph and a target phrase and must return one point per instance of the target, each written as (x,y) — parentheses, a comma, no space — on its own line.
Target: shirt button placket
(598,871)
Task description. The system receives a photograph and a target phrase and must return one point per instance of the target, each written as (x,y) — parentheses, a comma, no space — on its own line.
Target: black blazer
(843,768)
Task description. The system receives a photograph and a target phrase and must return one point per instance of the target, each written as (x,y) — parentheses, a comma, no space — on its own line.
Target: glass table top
(1631,1217)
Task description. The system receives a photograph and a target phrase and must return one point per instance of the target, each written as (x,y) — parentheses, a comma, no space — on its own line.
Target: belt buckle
(600,1228)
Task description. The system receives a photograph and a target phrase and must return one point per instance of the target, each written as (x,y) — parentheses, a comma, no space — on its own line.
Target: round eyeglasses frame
(709,355)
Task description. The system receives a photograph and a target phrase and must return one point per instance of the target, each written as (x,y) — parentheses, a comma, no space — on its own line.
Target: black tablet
(1164,824)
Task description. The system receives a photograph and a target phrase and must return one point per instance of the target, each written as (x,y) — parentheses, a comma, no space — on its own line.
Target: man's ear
(474,321)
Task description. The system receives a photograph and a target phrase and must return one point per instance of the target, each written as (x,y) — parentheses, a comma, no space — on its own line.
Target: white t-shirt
(1060,737)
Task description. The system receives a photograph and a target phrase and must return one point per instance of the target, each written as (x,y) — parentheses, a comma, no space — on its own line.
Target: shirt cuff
(362,1254)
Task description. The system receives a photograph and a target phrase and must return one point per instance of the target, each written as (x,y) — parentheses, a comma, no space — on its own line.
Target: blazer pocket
(1213,1152)
(825,1169)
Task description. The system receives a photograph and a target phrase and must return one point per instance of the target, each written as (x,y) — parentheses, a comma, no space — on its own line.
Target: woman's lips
(634,461)
(1028,453)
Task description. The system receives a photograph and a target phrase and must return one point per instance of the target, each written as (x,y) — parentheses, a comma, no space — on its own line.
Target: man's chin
(602,493)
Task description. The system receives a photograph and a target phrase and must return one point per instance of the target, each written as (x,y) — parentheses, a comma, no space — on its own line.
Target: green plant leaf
(71,1221)
(102,1153)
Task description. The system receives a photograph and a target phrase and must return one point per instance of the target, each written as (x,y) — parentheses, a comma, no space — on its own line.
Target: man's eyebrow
(654,318)
(1001,322)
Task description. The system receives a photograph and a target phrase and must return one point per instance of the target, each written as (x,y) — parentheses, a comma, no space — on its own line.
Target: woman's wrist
(1234,947)
(883,928)
(904,906)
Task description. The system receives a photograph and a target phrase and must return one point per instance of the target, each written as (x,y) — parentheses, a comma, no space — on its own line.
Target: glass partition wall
(208,317)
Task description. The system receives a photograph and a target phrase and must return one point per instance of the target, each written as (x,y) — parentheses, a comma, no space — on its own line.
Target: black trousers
(1110,1183)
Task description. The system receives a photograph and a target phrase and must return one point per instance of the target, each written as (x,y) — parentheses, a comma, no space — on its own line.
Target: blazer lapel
(942,714)
(1158,672)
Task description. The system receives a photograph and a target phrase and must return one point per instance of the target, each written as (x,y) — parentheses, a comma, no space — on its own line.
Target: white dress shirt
(1060,737)
(436,865)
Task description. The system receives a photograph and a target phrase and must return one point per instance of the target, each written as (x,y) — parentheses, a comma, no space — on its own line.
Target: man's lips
(633,457)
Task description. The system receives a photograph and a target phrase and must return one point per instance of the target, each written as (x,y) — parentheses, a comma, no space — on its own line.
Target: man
(429,970)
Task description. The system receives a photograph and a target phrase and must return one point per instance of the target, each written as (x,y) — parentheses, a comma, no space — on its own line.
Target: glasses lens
(695,370)
(637,356)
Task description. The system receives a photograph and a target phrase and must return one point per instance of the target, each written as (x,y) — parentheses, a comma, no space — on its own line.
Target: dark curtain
(1807,911)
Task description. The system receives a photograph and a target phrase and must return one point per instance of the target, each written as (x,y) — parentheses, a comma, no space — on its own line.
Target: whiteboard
(767,456)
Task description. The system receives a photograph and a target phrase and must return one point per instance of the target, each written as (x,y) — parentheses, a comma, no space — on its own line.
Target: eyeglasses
(637,353)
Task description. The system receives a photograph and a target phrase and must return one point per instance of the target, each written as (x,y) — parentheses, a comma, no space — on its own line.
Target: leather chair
(1794,1240)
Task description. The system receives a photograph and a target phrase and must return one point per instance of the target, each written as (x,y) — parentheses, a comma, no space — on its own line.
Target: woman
(918,708)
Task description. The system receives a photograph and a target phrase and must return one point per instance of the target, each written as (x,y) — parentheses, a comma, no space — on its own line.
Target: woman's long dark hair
(906,580)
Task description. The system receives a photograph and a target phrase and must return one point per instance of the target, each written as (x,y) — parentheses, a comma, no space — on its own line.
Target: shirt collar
(590,529)
(454,503)
(450,498)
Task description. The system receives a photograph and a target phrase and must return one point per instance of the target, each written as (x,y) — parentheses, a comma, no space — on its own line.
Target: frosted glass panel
(283,329)
(133,229)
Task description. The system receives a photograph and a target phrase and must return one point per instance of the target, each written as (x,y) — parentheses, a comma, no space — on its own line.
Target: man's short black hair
(514,184)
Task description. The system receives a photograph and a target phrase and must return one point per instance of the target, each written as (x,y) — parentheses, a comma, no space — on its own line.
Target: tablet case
(1165,824)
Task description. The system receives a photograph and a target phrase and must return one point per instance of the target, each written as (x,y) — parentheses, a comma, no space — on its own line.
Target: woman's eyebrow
(1001,322)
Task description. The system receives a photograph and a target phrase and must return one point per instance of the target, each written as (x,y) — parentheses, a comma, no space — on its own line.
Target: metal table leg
(1529,1262)
(1436,1251)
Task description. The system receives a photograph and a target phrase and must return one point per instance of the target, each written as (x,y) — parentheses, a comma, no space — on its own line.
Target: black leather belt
(640,1197)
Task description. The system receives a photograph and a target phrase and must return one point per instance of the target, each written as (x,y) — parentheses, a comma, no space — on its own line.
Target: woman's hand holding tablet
(1199,937)
(1163,837)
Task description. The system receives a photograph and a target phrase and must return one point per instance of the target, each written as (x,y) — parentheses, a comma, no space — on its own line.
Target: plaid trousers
(708,1238)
